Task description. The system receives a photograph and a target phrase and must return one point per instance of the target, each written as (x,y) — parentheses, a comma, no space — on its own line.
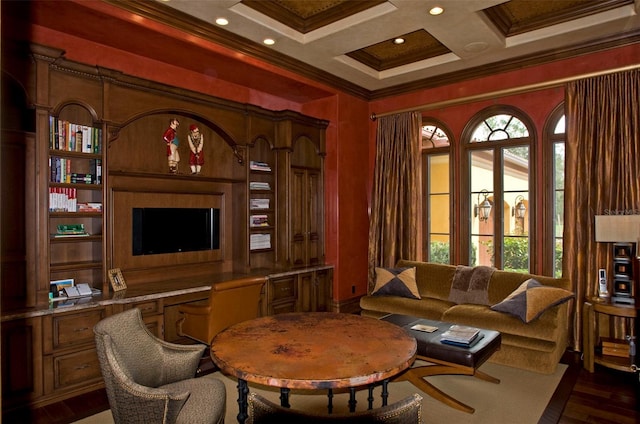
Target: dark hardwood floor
(606,396)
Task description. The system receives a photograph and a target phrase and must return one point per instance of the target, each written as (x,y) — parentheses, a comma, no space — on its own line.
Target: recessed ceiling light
(222,21)
(435,11)
(269,41)
(398,40)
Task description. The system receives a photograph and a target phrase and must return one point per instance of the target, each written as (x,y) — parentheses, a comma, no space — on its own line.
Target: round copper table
(317,350)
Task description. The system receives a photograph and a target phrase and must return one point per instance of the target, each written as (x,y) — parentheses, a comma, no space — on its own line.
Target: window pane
(438,213)
(515,254)
(558,206)
(482,228)
(433,136)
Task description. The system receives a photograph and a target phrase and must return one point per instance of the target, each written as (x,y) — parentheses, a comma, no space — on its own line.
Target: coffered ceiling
(346,44)
(353,40)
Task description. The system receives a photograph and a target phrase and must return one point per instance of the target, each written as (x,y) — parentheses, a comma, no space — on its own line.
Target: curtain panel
(601,176)
(395,200)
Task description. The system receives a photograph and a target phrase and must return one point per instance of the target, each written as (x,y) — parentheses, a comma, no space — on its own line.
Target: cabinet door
(21,361)
(306,217)
(315,291)
(323,283)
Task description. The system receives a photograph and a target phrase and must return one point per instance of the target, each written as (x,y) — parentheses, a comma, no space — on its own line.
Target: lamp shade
(617,228)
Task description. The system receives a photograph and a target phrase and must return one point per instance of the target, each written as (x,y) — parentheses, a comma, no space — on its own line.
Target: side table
(592,312)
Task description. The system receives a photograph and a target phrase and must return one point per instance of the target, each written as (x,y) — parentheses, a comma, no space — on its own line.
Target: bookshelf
(262,204)
(75,196)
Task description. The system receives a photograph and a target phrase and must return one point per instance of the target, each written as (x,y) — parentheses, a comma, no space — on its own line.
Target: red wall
(351,134)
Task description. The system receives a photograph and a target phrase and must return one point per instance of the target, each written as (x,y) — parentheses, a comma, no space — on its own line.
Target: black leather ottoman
(444,358)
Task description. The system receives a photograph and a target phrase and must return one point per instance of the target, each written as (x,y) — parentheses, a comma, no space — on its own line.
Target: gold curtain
(395,201)
(601,175)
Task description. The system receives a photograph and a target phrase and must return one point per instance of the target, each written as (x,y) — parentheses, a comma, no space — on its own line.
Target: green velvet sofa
(535,346)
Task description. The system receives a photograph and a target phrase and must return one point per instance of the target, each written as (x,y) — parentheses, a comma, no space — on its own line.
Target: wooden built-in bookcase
(123,165)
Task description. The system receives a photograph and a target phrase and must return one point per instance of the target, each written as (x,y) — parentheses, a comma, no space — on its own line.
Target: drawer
(283,308)
(73,369)
(151,307)
(71,330)
(283,288)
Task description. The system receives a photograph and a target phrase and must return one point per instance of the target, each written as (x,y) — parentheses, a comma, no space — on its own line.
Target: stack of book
(259,221)
(260,241)
(460,335)
(259,166)
(259,204)
(615,347)
(89,207)
(259,185)
(70,230)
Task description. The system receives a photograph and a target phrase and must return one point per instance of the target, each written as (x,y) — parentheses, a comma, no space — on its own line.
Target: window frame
(498,146)
(425,219)
(549,141)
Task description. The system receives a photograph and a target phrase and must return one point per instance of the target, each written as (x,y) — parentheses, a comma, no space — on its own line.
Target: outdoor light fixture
(483,209)
(519,210)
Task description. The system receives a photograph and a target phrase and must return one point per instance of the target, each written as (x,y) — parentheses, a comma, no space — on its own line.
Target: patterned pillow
(531,299)
(396,282)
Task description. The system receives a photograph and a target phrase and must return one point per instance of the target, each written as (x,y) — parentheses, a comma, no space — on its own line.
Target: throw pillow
(531,299)
(396,282)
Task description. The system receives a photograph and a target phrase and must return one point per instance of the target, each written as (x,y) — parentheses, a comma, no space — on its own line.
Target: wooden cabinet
(301,193)
(598,322)
(21,362)
(304,291)
(70,361)
(306,218)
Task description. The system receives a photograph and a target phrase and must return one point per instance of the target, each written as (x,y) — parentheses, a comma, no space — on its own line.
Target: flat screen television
(173,230)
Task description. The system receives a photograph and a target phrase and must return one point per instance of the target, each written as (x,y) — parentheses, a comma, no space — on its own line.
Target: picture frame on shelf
(117,280)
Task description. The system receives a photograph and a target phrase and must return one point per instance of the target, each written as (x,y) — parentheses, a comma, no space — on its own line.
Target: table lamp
(624,232)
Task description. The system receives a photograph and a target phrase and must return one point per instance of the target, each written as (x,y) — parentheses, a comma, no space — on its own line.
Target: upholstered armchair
(149,380)
(230,302)
(405,411)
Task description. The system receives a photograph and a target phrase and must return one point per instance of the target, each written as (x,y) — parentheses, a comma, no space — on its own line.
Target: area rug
(520,398)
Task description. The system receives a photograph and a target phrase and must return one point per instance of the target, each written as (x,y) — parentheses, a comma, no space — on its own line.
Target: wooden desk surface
(318,350)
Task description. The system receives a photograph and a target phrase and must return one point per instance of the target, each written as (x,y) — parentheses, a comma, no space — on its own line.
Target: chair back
(405,411)
(230,302)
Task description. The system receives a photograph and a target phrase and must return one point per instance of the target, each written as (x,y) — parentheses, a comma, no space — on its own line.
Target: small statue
(171,139)
(196,142)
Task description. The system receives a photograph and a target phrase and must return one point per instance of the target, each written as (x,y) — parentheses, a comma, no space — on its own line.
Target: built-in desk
(58,338)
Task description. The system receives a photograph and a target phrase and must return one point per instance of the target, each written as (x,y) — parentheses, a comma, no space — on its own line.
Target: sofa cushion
(545,328)
(427,308)
(531,299)
(396,282)
(434,280)
(471,285)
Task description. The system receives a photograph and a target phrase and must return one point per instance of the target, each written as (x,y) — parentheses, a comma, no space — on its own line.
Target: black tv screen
(173,230)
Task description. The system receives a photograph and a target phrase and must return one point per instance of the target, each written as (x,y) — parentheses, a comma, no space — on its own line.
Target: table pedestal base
(416,376)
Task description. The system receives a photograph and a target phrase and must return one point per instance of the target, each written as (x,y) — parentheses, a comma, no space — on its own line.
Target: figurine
(196,142)
(171,139)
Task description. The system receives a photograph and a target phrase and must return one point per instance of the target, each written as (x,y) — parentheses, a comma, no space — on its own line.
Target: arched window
(554,145)
(436,142)
(498,151)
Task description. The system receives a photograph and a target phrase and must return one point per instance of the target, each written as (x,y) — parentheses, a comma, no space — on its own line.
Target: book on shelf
(89,207)
(260,241)
(259,166)
(259,185)
(70,230)
(63,199)
(460,334)
(259,204)
(615,347)
(73,137)
(259,221)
